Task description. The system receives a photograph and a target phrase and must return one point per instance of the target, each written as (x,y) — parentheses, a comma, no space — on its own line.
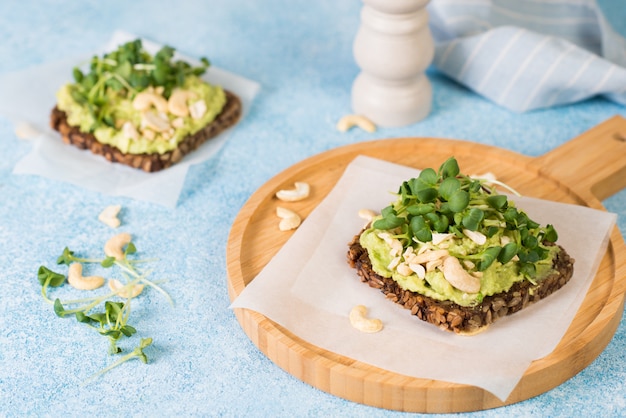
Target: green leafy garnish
(125,72)
(110,318)
(446,201)
(136,353)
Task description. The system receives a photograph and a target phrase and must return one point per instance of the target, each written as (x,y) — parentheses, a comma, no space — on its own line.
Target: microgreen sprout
(125,72)
(136,353)
(447,201)
(112,318)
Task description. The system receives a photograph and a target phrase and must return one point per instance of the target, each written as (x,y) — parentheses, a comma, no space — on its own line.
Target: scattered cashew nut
(109,216)
(289,219)
(458,277)
(301,191)
(114,247)
(129,130)
(146,99)
(404,269)
(76,280)
(177,103)
(438,238)
(155,121)
(359,320)
(25,130)
(178,122)
(477,237)
(197,109)
(148,134)
(348,121)
(428,256)
(125,291)
(368,215)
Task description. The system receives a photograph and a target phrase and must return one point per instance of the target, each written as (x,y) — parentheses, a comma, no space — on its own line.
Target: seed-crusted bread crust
(450,316)
(229,115)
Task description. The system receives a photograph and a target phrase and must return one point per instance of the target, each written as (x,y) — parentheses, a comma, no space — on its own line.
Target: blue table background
(201,361)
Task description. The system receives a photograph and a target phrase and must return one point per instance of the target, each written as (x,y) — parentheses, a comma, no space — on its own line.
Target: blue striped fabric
(529,54)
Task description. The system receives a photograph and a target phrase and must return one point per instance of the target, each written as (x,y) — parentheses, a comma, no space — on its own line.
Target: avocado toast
(140,110)
(458,254)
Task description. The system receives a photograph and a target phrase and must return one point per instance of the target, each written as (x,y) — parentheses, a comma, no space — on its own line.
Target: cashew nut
(361,121)
(75,278)
(197,109)
(359,321)
(25,130)
(114,247)
(458,277)
(301,191)
(427,256)
(438,238)
(477,237)
(129,130)
(109,216)
(146,99)
(289,219)
(394,243)
(178,122)
(367,214)
(432,265)
(155,121)
(125,291)
(418,269)
(177,104)
(393,263)
(404,269)
(148,134)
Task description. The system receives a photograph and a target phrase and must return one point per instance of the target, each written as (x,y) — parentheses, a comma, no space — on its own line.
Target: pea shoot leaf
(550,234)
(389,222)
(48,277)
(473,218)
(108,262)
(66,257)
(508,252)
(498,202)
(420,229)
(450,168)
(448,187)
(58,308)
(488,257)
(458,201)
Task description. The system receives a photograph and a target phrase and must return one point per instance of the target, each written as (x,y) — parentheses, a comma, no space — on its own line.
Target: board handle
(594,162)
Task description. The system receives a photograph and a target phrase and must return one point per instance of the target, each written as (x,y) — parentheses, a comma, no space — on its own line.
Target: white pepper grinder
(393,47)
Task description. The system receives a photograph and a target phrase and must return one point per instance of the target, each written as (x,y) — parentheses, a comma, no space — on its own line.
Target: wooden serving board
(583,171)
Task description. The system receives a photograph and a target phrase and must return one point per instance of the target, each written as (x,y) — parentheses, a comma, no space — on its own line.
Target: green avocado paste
(496,278)
(122,110)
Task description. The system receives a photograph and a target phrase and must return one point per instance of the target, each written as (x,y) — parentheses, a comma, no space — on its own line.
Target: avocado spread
(122,110)
(103,100)
(496,278)
(447,214)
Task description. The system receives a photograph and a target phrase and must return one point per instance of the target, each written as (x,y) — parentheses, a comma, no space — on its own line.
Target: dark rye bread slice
(450,316)
(229,115)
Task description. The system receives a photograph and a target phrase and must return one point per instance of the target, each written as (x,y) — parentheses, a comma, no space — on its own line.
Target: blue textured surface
(201,362)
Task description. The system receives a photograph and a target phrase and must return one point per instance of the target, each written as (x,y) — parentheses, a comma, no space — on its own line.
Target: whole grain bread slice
(450,316)
(228,117)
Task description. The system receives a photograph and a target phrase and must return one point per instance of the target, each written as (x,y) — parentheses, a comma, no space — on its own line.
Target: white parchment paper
(28,96)
(309,288)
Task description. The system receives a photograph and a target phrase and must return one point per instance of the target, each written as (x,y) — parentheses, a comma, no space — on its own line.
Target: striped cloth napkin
(529,54)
